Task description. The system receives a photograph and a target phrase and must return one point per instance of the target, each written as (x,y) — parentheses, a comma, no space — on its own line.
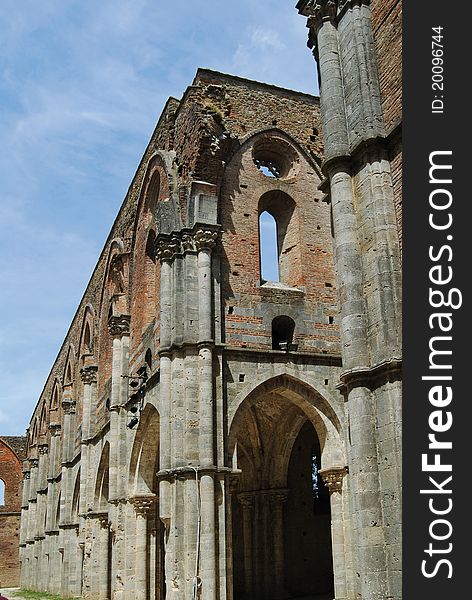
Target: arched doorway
(281,525)
(144,489)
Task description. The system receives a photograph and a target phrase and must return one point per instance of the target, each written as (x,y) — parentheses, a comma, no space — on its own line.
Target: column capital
(26,475)
(167,248)
(55,428)
(246,499)
(34,463)
(277,497)
(333,478)
(43,449)
(68,406)
(205,238)
(143,504)
(119,325)
(89,374)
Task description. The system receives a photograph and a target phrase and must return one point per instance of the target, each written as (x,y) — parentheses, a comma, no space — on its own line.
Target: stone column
(165,253)
(68,407)
(100,584)
(33,497)
(333,479)
(246,499)
(367,256)
(277,498)
(142,505)
(205,240)
(89,380)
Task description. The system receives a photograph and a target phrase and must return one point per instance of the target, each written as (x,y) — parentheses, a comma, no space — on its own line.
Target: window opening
(2,492)
(269,252)
(268,167)
(283,328)
(148,358)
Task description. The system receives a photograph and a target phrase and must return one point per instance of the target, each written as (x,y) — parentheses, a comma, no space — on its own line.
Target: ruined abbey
(208,432)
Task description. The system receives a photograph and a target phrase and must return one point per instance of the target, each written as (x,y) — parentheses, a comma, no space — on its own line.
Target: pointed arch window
(269,252)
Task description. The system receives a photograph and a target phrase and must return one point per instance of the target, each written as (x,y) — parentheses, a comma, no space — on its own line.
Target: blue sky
(82,84)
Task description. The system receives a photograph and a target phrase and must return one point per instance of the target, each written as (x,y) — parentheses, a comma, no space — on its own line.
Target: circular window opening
(275,158)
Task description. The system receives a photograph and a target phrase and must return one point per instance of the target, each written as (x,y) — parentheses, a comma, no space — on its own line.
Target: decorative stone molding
(371,377)
(118,326)
(89,374)
(333,478)
(26,475)
(34,462)
(205,239)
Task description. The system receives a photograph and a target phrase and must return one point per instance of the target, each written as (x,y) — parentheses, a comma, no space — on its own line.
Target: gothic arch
(144,462)
(282,433)
(276,133)
(317,408)
(69,374)
(102,480)
(87,335)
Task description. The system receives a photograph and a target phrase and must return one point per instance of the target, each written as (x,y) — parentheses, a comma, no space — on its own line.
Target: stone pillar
(333,479)
(205,240)
(142,505)
(119,327)
(165,253)
(368,268)
(247,502)
(89,381)
(277,498)
(100,557)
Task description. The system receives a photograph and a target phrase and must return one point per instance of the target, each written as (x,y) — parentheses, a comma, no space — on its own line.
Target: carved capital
(26,475)
(89,374)
(167,248)
(43,449)
(34,463)
(233,483)
(188,243)
(68,406)
(205,239)
(333,478)
(142,504)
(118,326)
(277,498)
(55,428)
(246,499)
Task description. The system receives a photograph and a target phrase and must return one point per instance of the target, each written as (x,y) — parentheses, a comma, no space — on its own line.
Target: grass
(29,595)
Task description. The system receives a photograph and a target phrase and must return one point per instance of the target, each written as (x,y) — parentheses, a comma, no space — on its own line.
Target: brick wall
(11,475)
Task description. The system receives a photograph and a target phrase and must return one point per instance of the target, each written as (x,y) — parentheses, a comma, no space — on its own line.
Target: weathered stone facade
(12,453)
(206,433)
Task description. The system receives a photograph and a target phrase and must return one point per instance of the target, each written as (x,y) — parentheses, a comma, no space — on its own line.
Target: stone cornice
(370,377)
(189,472)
